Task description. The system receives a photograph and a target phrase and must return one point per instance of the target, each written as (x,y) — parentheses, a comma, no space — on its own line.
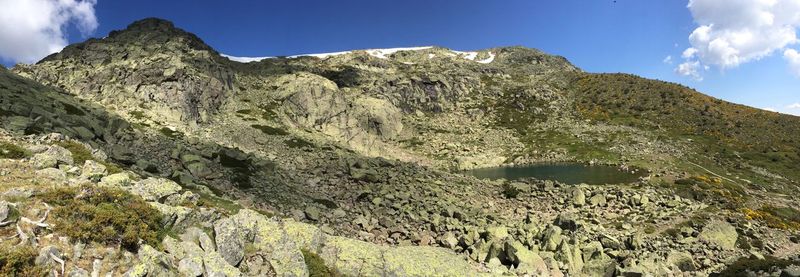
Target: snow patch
(383,53)
(487,60)
(321,55)
(430,56)
(466,55)
(244,59)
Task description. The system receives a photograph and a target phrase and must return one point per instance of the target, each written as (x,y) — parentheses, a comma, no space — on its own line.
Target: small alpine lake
(568,173)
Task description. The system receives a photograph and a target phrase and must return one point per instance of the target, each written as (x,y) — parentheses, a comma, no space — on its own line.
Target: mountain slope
(369,144)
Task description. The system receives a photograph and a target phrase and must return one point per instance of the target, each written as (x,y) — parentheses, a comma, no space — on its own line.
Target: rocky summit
(148,153)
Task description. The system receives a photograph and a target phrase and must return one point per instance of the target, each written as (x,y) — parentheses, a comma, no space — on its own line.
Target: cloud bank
(33,29)
(734,32)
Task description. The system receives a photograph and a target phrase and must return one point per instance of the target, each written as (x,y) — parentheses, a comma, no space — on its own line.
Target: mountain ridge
(372,145)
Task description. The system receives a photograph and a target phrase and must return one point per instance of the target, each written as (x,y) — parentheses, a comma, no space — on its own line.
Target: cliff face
(151,65)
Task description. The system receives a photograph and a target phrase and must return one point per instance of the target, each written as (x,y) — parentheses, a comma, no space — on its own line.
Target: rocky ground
(350,164)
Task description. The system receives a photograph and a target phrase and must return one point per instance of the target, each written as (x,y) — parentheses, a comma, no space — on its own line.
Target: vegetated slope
(736,136)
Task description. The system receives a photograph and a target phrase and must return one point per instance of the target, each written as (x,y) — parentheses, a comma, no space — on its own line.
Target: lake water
(569,173)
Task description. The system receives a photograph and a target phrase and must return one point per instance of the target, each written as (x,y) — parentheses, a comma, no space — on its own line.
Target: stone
(305,236)
(610,242)
(422,261)
(597,200)
(154,189)
(118,180)
(230,240)
(93,170)
(151,263)
(353,257)
(216,266)
(578,197)
(199,237)
(635,241)
(567,221)
(44,258)
(552,238)
(270,240)
(312,213)
(682,260)
(449,240)
(719,233)
(52,157)
(528,262)
(593,250)
(191,263)
(52,175)
(496,233)
(5,210)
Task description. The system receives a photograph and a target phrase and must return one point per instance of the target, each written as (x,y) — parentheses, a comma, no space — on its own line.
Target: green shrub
(79,152)
(20,261)
(316,266)
(12,151)
(510,191)
(104,215)
(270,130)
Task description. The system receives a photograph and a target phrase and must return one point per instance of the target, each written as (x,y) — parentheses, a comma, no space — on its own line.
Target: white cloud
(769,109)
(733,32)
(33,29)
(794,106)
(691,69)
(793,58)
(668,60)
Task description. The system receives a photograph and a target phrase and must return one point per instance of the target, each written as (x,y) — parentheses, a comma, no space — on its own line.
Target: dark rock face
(150,65)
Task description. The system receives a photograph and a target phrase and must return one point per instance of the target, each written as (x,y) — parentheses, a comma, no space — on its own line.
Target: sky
(742,51)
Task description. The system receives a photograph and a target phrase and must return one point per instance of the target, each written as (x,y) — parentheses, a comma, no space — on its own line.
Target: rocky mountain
(355,161)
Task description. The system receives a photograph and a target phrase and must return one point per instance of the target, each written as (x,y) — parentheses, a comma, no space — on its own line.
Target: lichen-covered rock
(216,266)
(720,233)
(151,263)
(154,189)
(118,180)
(231,239)
(424,261)
(305,236)
(93,170)
(173,215)
(52,175)
(191,264)
(528,262)
(267,237)
(352,257)
(4,211)
(52,157)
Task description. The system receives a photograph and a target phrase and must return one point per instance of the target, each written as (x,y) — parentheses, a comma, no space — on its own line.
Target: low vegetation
(12,151)
(785,218)
(80,154)
(316,265)
(20,261)
(104,215)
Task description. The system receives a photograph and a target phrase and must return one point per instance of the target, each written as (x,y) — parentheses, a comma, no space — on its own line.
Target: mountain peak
(154,35)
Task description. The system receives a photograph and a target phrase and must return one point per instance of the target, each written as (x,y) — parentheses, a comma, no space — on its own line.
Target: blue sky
(597,35)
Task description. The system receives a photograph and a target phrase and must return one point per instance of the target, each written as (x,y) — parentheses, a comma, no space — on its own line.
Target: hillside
(367,148)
